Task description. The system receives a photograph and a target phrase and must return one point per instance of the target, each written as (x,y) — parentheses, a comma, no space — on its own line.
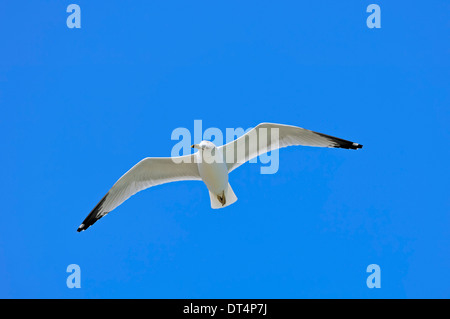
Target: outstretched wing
(149,172)
(269,136)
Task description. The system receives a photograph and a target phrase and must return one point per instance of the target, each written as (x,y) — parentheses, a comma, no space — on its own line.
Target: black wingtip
(356,146)
(349,145)
(341,143)
(93,216)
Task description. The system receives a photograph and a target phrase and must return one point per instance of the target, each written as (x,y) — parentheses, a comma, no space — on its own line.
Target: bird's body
(213,173)
(211,164)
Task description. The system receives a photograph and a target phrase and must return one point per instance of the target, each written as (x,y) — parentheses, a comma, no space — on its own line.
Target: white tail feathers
(230,198)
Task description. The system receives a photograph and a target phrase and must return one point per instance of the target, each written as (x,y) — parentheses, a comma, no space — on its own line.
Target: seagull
(210,164)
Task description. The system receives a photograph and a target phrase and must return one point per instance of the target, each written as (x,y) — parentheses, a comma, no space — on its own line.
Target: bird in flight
(211,164)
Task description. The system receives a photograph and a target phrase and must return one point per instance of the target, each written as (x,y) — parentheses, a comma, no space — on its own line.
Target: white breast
(213,172)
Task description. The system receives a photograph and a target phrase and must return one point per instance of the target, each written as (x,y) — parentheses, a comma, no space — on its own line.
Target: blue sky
(81,106)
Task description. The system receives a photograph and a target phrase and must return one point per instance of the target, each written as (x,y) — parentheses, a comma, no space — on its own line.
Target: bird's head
(204,145)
